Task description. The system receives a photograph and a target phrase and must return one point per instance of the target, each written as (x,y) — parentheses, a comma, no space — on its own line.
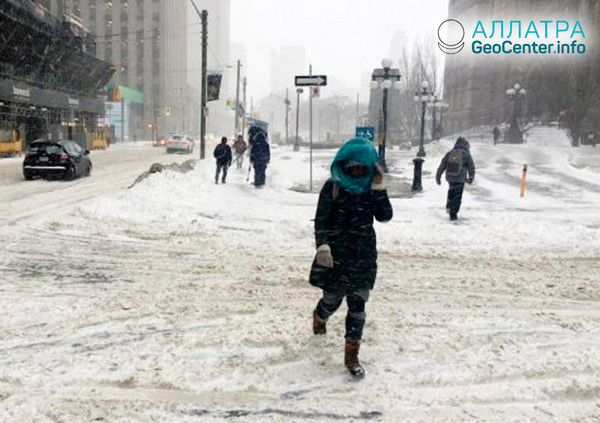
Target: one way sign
(311,81)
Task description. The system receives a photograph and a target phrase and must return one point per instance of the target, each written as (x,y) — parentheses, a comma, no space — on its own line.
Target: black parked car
(65,159)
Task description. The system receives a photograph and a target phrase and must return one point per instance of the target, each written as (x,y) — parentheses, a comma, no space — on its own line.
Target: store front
(31,113)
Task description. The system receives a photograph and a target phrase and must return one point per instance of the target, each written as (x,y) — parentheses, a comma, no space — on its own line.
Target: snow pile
(556,217)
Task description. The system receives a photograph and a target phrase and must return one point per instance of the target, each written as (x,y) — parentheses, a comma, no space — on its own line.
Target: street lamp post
(436,105)
(385,81)
(515,95)
(297,143)
(287,114)
(423,96)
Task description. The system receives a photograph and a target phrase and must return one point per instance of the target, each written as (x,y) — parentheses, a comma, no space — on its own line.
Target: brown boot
(319,325)
(351,359)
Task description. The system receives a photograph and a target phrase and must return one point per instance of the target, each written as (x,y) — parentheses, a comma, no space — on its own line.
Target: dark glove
(439,181)
(470,181)
(324,257)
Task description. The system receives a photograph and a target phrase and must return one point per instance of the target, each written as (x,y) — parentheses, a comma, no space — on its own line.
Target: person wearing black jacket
(345,264)
(222,154)
(459,167)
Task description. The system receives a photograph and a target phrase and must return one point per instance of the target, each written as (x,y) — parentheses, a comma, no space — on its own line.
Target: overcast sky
(343,38)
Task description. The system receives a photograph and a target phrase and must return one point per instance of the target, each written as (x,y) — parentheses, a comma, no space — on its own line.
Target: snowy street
(182,301)
(114,168)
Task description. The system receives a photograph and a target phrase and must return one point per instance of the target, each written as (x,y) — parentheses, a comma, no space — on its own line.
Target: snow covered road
(115,168)
(184,301)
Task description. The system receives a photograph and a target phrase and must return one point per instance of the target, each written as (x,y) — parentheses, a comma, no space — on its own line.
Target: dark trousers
(455,193)
(260,169)
(355,317)
(221,166)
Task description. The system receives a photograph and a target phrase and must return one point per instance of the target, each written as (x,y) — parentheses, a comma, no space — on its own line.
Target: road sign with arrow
(311,81)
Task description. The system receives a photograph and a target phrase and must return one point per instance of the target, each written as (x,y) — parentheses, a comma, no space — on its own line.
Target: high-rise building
(285,64)
(147,42)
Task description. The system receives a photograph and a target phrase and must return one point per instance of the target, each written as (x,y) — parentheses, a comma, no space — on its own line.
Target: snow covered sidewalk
(183,301)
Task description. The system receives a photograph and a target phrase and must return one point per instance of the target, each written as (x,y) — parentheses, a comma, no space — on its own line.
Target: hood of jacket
(462,143)
(357,151)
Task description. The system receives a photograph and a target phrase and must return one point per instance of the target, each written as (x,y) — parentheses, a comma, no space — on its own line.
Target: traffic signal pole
(204,18)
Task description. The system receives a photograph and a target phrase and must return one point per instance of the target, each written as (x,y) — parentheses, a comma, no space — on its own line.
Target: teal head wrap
(356,151)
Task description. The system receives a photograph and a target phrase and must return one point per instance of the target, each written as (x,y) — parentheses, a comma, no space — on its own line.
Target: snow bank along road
(114,168)
(184,301)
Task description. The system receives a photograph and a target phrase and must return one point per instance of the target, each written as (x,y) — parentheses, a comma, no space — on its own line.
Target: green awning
(121,92)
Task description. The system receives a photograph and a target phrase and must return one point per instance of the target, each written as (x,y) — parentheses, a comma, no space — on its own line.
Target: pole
(204,71)
(441,124)
(357,109)
(155,123)
(287,113)
(204,19)
(421,152)
(524,181)
(237,100)
(297,143)
(310,136)
(122,120)
(384,138)
(244,103)
(433,129)
(320,118)
(339,112)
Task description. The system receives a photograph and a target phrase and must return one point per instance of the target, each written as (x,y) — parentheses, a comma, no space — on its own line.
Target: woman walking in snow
(345,264)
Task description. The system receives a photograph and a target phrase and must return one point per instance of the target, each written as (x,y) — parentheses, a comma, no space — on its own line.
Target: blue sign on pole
(366,132)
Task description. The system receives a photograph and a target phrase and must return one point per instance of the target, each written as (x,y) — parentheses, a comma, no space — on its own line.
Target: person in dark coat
(496,134)
(260,154)
(346,242)
(459,167)
(222,154)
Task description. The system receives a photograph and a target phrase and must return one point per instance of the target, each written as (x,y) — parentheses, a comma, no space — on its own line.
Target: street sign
(366,132)
(311,81)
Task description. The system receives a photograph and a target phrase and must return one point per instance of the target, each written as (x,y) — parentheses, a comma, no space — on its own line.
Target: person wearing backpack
(222,154)
(459,167)
(345,263)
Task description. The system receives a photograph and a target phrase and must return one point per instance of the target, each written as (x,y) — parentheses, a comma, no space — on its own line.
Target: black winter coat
(346,225)
(260,152)
(467,165)
(223,154)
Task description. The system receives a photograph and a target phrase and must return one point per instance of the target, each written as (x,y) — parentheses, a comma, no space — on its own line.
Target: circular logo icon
(451,34)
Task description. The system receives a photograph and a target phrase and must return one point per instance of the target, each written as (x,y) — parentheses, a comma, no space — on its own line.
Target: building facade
(475,87)
(146,40)
(50,78)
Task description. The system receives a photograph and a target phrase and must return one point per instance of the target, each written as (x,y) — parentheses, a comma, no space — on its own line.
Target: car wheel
(89,170)
(70,173)
(28,176)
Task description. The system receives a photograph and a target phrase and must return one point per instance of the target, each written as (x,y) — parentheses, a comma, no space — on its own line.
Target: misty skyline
(343,39)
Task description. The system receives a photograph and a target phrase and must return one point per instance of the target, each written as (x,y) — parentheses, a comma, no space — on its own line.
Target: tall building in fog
(147,41)
(285,64)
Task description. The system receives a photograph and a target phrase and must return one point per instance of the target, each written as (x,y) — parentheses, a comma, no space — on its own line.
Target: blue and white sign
(366,132)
